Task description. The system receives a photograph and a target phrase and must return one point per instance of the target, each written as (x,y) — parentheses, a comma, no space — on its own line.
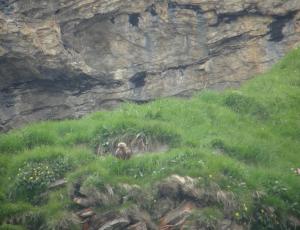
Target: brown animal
(123,152)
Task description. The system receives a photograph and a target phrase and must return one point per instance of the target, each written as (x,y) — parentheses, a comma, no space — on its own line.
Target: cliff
(65,58)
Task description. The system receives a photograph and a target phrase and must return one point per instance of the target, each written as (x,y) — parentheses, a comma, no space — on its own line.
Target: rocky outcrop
(175,202)
(65,58)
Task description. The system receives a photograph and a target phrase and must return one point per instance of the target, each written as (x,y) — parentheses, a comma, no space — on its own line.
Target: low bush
(34,177)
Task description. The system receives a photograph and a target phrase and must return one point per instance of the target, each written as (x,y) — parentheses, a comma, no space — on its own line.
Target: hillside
(220,160)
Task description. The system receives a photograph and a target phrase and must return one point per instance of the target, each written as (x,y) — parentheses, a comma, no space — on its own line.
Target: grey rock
(86,213)
(66,58)
(176,218)
(83,202)
(101,198)
(57,184)
(177,186)
(119,223)
(162,207)
(138,226)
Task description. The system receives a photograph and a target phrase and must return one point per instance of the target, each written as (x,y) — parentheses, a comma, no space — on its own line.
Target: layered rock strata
(65,58)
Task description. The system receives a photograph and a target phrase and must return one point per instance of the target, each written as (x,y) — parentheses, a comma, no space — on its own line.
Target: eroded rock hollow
(65,58)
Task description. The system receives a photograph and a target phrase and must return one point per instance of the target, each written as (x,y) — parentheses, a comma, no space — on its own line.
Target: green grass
(245,140)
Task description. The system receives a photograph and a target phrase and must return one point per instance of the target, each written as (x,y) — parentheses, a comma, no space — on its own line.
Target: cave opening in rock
(138,80)
(276,27)
(134,19)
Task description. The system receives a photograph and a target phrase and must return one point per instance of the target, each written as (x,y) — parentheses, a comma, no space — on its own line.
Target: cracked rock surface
(66,58)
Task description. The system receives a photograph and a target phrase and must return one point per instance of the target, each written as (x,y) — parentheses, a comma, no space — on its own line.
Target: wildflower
(210,176)
(237,214)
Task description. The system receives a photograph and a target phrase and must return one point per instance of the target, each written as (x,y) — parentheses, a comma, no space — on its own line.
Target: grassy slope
(245,140)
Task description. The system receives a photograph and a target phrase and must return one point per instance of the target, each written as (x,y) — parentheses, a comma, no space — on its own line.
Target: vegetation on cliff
(245,141)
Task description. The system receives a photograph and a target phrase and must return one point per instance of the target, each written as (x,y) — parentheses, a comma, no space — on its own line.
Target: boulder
(176,218)
(86,213)
(138,226)
(83,202)
(119,223)
(162,206)
(178,187)
(100,197)
(57,183)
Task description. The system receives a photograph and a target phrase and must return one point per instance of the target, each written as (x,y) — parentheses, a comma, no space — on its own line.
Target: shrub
(34,177)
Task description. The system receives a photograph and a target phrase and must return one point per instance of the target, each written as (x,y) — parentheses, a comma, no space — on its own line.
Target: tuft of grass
(242,104)
(11,227)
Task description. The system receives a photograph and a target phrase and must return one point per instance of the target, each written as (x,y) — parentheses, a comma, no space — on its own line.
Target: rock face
(65,58)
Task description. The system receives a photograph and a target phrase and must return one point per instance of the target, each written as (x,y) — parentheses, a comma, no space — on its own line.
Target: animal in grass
(123,152)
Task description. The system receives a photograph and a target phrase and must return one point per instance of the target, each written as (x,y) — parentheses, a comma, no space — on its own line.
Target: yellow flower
(210,176)
(237,214)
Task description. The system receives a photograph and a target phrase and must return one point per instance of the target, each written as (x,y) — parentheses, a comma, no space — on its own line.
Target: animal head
(122,145)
